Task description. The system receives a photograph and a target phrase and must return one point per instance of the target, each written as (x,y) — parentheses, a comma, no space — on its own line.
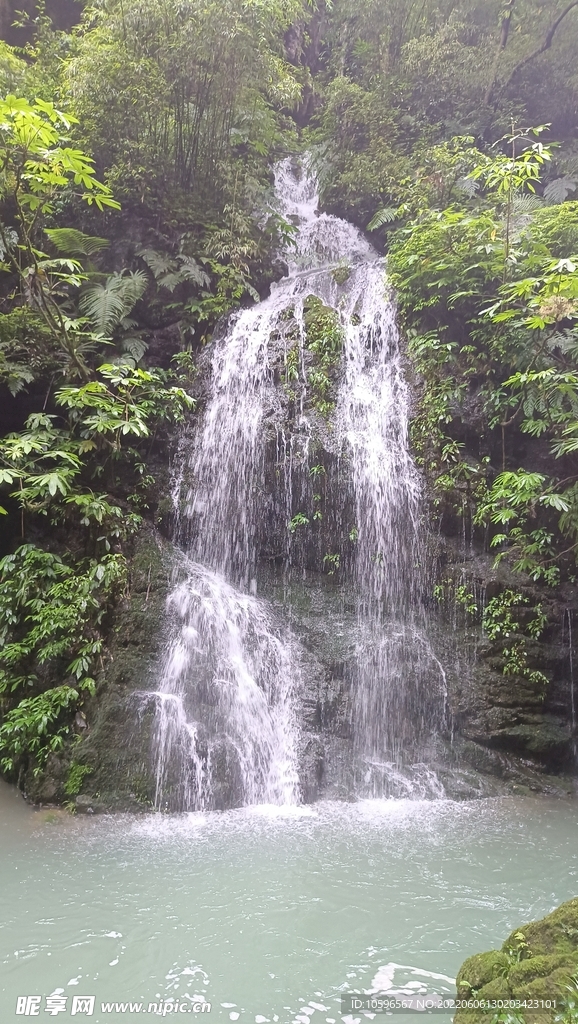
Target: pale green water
(268,912)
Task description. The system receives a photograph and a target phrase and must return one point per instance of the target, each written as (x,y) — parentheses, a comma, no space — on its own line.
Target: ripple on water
(275,914)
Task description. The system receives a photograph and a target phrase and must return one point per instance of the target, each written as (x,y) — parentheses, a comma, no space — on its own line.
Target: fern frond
(192,271)
(158,262)
(75,243)
(383,216)
(16,376)
(169,272)
(106,305)
(468,186)
(132,286)
(525,204)
(557,191)
(565,341)
(135,347)
(103,306)
(170,280)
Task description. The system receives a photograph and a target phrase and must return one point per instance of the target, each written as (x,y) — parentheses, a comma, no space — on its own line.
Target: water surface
(264,911)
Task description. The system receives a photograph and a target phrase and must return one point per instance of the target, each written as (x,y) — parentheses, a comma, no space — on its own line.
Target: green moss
(550,986)
(324,342)
(480,970)
(341,274)
(75,778)
(534,967)
(537,961)
(556,933)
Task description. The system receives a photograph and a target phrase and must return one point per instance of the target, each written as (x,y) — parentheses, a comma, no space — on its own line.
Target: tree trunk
(504,36)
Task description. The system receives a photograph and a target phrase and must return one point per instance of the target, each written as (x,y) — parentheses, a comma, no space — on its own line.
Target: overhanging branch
(546,44)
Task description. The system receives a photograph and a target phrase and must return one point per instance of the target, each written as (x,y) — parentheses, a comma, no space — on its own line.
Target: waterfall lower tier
(225,708)
(301,459)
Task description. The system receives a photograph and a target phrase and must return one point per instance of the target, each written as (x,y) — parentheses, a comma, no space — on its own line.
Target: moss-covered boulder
(114,750)
(538,961)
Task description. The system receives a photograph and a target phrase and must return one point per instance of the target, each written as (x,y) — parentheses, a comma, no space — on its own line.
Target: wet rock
(46,787)
(116,741)
(312,768)
(525,717)
(88,805)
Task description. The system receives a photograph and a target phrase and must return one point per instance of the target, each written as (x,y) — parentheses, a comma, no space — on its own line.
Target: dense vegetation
(135,210)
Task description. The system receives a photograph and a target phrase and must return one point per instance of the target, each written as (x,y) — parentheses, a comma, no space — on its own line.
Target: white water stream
(227,722)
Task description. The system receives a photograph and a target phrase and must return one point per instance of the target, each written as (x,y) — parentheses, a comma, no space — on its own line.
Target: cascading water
(399,685)
(227,717)
(226,701)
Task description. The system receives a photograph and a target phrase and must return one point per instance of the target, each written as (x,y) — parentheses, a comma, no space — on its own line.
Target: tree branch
(547,43)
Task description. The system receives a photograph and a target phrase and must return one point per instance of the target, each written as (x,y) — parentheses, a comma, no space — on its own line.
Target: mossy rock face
(497,988)
(537,961)
(480,970)
(535,967)
(115,746)
(555,934)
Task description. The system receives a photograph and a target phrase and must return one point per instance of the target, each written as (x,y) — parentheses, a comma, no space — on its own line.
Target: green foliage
(569,1013)
(56,320)
(12,70)
(35,165)
(448,591)
(36,727)
(108,305)
(554,229)
(38,173)
(48,462)
(324,340)
(300,519)
(441,68)
(331,563)
(50,614)
(181,89)
(363,169)
(75,778)
(502,622)
(25,348)
(490,309)
(73,242)
(170,272)
(123,401)
(384,216)
(512,502)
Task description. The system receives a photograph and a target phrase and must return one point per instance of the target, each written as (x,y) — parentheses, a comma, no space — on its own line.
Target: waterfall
(227,717)
(237,720)
(399,684)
